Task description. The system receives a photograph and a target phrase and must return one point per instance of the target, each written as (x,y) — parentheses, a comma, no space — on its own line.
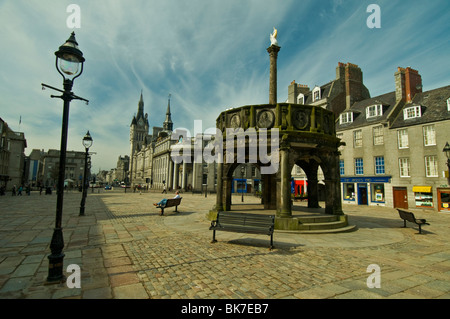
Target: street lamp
(69,63)
(242,188)
(87,143)
(446,150)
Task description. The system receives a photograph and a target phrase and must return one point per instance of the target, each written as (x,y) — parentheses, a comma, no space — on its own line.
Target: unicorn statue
(273,37)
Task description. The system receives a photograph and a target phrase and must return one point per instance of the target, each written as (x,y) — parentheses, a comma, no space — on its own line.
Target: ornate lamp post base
(55,267)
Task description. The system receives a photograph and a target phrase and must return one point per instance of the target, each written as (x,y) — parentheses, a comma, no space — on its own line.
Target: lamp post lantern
(69,63)
(87,143)
(446,150)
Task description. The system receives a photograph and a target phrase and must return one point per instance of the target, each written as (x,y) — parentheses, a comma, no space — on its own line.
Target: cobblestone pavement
(126,250)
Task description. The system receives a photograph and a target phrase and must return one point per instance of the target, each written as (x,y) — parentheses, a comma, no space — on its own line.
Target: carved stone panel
(235,121)
(266,119)
(301,119)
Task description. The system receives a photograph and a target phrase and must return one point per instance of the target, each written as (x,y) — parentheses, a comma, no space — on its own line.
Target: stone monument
(296,134)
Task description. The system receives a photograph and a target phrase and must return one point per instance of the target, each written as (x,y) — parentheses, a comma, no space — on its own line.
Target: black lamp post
(69,63)
(87,143)
(242,185)
(446,150)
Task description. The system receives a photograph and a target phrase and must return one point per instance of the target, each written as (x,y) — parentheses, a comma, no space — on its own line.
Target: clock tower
(138,131)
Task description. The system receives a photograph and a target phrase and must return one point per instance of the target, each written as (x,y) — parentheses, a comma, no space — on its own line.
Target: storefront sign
(374,179)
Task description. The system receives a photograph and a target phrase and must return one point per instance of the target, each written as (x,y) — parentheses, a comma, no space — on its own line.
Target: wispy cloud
(210,55)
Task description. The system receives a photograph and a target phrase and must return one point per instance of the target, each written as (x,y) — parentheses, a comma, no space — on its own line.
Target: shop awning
(422,189)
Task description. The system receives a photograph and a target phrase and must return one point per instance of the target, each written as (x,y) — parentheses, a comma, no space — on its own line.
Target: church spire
(140,112)
(168,125)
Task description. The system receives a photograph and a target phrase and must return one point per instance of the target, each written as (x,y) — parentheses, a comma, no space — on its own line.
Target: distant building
(74,171)
(12,157)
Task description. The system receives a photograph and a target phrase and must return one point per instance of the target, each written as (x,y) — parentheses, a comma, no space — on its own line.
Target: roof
(433,108)
(324,92)
(359,111)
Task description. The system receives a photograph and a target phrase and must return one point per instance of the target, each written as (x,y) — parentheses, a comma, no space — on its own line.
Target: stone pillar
(219,195)
(170,181)
(227,181)
(332,184)
(310,168)
(285,209)
(175,175)
(184,176)
(273,52)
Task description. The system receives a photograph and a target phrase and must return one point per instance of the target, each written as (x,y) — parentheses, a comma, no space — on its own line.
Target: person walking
(164,189)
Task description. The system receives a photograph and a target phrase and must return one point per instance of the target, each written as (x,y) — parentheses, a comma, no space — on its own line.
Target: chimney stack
(295,89)
(408,83)
(353,83)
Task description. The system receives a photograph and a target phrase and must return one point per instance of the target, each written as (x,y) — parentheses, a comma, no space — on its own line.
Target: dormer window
(346,118)
(374,111)
(412,112)
(300,99)
(316,94)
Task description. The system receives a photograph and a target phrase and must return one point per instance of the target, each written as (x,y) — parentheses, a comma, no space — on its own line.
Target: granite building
(393,154)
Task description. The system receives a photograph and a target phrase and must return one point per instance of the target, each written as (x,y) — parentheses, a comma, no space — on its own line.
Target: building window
(341,167)
(429,135)
(404,166)
(448,104)
(412,112)
(349,191)
(378,137)
(403,138)
(379,165)
(316,94)
(377,191)
(431,166)
(301,99)
(346,118)
(359,166)
(374,111)
(357,138)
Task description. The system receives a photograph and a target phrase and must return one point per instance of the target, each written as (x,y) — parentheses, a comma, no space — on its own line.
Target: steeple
(168,125)
(140,112)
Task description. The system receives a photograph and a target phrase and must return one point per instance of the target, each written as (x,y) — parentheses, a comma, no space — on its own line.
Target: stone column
(175,175)
(170,181)
(219,195)
(285,204)
(184,176)
(273,52)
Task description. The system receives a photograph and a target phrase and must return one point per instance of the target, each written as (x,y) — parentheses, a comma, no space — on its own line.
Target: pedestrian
(164,189)
(163,202)
(14,190)
(19,193)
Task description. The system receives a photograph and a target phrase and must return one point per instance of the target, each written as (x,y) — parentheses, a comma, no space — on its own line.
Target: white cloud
(210,55)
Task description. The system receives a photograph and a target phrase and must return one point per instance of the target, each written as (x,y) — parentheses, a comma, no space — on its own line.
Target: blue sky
(209,55)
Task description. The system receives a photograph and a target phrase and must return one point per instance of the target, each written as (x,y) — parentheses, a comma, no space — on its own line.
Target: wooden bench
(408,216)
(244,223)
(170,203)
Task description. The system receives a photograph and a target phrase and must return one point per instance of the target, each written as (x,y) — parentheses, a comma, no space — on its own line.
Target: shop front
(443,195)
(423,196)
(364,190)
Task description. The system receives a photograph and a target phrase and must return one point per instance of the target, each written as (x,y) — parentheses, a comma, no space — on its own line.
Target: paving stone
(127,252)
